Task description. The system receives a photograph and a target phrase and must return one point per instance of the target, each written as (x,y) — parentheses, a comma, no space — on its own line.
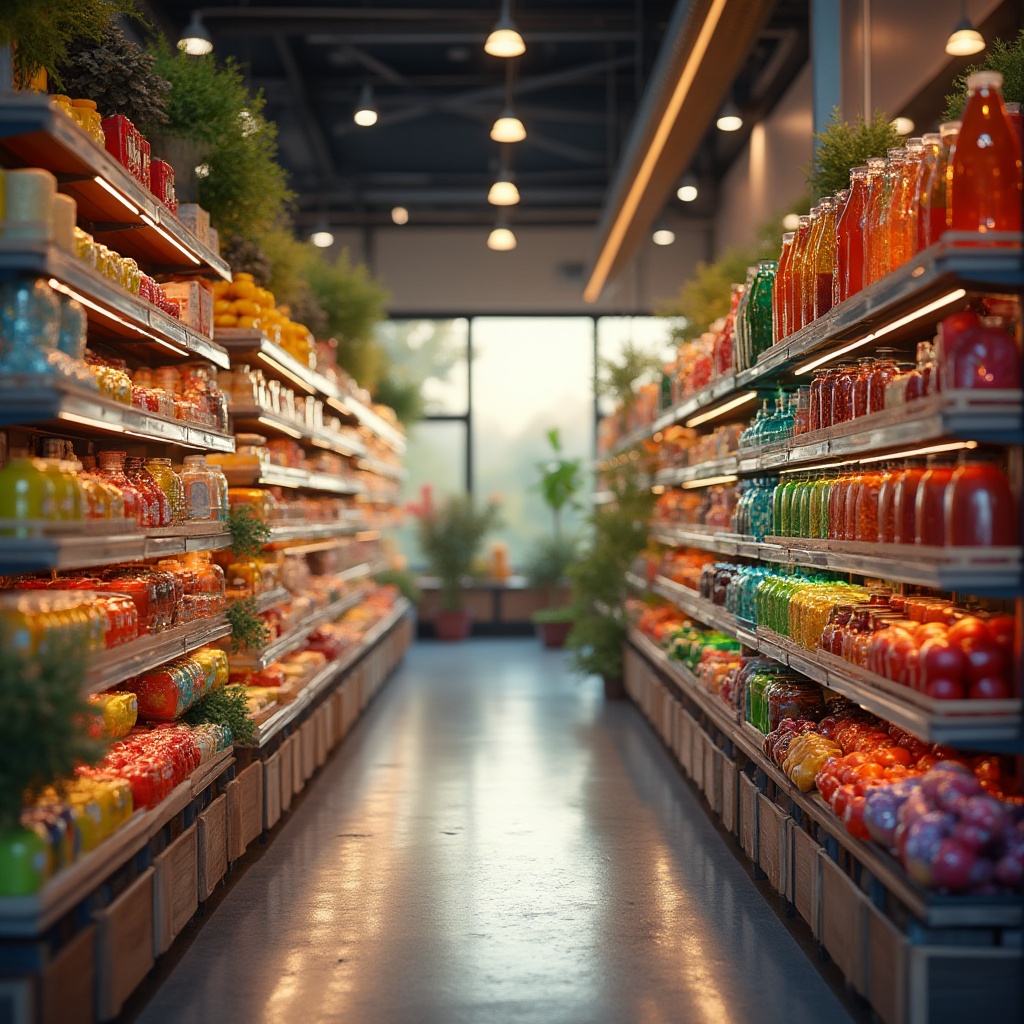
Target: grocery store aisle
(493,844)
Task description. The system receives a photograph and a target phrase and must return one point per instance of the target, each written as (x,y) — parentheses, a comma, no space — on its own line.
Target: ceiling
(576,89)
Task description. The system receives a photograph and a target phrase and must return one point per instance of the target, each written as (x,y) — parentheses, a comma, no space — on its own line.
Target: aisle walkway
(494,844)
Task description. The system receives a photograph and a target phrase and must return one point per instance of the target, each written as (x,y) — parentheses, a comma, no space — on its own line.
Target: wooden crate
(67,982)
(772,839)
(748,817)
(730,794)
(887,969)
(697,757)
(124,945)
(712,776)
(298,779)
(272,790)
(805,873)
(953,984)
(175,889)
(287,774)
(213,845)
(844,922)
(245,809)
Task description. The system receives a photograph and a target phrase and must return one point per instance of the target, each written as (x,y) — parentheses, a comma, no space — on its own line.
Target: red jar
(842,394)
(816,399)
(930,504)
(883,369)
(887,506)
(980,510)
(837,508)
(866,515)
(983,358)
(905,505)
(853,486)
(861,385)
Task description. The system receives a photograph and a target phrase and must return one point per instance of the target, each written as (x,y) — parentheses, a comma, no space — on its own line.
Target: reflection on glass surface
(431,355)
(529,374)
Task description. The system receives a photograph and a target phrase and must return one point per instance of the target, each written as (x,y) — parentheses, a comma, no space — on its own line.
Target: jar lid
(984,80)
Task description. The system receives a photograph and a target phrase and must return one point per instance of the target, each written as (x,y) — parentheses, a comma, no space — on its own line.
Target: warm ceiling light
(729,119)
(197,41)
(663,235)
(505,40)
(964,40)
(687,190)
(508,127)
(322,237)
(902,125)
(366,113)
(791,222)
(400,215)
(503,192)
(501,239)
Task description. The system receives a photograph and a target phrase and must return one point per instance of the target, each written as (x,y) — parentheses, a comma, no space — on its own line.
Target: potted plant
(559,481)
(450,536)
(618,534)
(1005,57)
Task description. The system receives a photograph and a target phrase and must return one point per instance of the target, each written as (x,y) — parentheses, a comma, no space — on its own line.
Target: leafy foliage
(450,535)
(226,706)
(842,146)
(404,580)
(404,397)
(248,532)
(619,377)
(560,480)
(117,74)
(246,188)
(548,561)
(43,728)
(1007,59)
(553,616)
(43,34)
(248,631)
(246,257)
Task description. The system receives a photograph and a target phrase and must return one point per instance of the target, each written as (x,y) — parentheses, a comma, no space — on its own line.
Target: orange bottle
(932,149)
(794,288)
(809,268)
(849,277)
(933,208)
(780,288)
(876,182)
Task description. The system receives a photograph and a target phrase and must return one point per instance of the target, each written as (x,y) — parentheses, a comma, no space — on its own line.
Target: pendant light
(663,234)
(366,112)
(321,235)
(729,119)
(196,40)
(501,238)
(965,39)
(508,127)
(504,191)
(687,191)
(505,40)
(902,125)
(400,215)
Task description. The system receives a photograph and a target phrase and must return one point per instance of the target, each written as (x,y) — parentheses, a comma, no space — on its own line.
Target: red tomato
(1001,631)
(945,689)
(827,784)
(853,818)
(984,658)
(968,626)
(941,659)
(989,688)
(841,799)
(927,630)
(865,772)
(889,756)
(896,659)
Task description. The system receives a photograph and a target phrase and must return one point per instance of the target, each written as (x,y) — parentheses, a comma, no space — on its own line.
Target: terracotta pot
(613,689)
(553,634)
(452,625)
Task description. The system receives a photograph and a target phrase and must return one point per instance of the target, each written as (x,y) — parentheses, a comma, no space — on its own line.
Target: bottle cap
(984,80)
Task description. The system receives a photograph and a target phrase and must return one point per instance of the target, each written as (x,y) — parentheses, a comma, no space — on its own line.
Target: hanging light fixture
(508,127)
(729,119)
(196,40)
(663,234)
(902,125)
(501,238)
(504,191)
(965,39)
(322,236)
(366,112)
(687,191)
(400,215)
(505,40)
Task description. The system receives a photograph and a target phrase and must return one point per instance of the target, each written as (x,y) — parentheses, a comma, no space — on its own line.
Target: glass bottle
(741,342)
(903,209)
(867,513)
(794,287)
(842,394)
(985,186)
(70,497)
(159,508)
(933,210)
(980,510)
(814,414)
(849,274)
(219,503)
(802,411)
(809,270)
(905,504)
(861,386)
(113,497)
(759,311)
(983,357)
(825,255)
(170,483)
(199,486)
(780,329)
(879,255)
(884,369)
(111,468)
(872,201)
(887,504)
(929,506)
(932,150)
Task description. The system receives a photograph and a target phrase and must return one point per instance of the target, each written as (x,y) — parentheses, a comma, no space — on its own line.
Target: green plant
(248,532)
(560,481)
(118,75)
(42,35)
(450,535)
(247,257)
(553,616)
(548,560)
(43,728)
(228,706)
(248,631)
(618,378)
(404,580)
(404,397)
(842,146)
(1005,57)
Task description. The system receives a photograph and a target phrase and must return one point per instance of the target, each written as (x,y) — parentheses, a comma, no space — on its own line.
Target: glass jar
(171,484)
(70,497)
(198,487)
(871,215)
(932,149)
(842,394)
(854,482)
(867,509)
(780,329)
(809,270)
(903,207)
(112,469)
(802,413)
(887,505)
(933,211)
(861,385)
(219,502)
(985,187)
(816,399)
(158,507)
(879,255)
(794,287)
(981,357)
(980,510)
(849,277)
(905,504)
(825,255)
(929,506)
(926,368)
(884,368)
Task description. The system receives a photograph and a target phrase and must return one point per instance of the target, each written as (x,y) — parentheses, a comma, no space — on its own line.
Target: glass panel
(430,355)
(435,457)
(649,333)
(530,374)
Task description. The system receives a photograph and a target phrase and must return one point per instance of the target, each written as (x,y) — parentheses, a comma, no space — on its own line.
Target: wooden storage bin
(953,984)
(887,969)
(245,809)
(712,776)
(844,922)
(806,878)
(272,790)
(730,794)
(175,889)
(212,840)
(748,817)
(287,774)
(772,839)
(67,983)
(124,945)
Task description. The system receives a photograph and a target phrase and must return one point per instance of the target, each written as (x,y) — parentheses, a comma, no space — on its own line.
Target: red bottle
(985,189)
(979,507)
(111,468)
(983,358)
(780,287)
(159,506)
(849,276)
(933,147)
(932,215)
(930,504)
(887,506)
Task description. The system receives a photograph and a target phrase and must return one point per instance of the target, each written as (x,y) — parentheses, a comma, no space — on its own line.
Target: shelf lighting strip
(734,403)
(917,314)
(294,377)
(291,431)
(106,186)
(710,481)
(932,449)
(168,238)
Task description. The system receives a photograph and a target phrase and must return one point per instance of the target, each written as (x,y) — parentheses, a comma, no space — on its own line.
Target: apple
(939,688)
(953,792)
(984,658)
(941,659)
(1001,631)
(881,814)
(989,688)
(985,813)
(969,627)
(952,865)
(922,843)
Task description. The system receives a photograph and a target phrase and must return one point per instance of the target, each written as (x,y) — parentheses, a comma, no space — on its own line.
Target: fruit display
(243,304)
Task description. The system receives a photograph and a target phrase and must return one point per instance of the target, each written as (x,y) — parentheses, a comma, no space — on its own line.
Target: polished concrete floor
(495,844)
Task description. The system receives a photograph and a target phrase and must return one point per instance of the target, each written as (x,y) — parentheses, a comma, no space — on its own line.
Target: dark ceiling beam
(378,67)
(314,133)
(450,37)
(484,17)
(588,196)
